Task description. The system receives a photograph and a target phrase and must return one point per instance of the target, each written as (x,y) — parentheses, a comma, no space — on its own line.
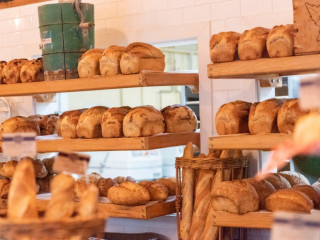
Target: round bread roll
(89,63)
(104,184)
(2,65)
(310,192)
(158,191)
(112,122)
(121,179)
(179,118)
(307,129)
(289,200)
(7,169)
(170,183)
(232,118)
(278,181)
(129,193)
(4,187)
(110,60)
(11,71)
(19,124)
(32,71)
(294,178)
(142,122)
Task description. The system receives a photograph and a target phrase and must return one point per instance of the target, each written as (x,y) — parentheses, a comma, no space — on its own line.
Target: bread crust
(89,63)
(170,183)
(11,71)
(278,181)
(19,124)
(32,71)
(157,191)
(2,65)
(294,178)
(104,184)
(67,122)
(110,60)
(310,192)
(280,41)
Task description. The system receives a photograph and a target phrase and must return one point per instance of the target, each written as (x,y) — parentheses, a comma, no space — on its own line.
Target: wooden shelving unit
(16,3)
(248,141)
(266,66)
(144,79)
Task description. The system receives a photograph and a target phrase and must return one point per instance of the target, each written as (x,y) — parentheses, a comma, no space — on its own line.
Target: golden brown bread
(252,43)
(278,181)
(11,71)
(4,187)
(48,163)
(280,41)
(2,65)
(142,122)
(89,123)
(104,184)
(223,47)
(179,118)
(7,169)
(19,124)
(310,192)
(110,60)
(82,183)
(121,179)
(129,193)
(307,129)
(263,116)
(232,118)
(89,63)
(288,115)
(67,122)
(47,124)
(294,178)
(88,202)
(157,191)
(140,56)
(44,183)
(289,200)
(170,183)
(32,71)
(112,122)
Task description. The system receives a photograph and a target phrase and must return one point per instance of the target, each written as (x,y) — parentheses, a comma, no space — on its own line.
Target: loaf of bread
(39,167)
(310,192)
(294,178)
(170,183)
(316,186)
(232,118)
(4,188)
(67,122)
(11,72)
(82,183)
(89,63)
(87,207)
(263,116)
(252,43)
(223,47)
(140,56)
(112,122)
(19,124)
(47,124)
(289,200)
(157,191)
(7,169)
(61,204)
(179,118)
(110,60)
(2,65)
(277,181)
(142,122)
(288,115)
(32,71)
(121,179)
(44,183)
(307,129)
(89,124)
(129,193)
(22,192)
(48,163)
(280,41)
(104,184)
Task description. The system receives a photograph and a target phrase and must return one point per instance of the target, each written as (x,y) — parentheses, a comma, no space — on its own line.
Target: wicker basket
(238,167)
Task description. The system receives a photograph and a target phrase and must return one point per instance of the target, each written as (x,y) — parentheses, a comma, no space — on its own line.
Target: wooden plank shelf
(53,143)
(285,66)
(144,79)
(17,3)
(248,141)
(150,210)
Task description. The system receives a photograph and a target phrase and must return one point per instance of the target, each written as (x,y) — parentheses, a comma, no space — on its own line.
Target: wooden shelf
(248,141)
(144,79)
(16,3)
(265,66)
(107,209)
(53,143)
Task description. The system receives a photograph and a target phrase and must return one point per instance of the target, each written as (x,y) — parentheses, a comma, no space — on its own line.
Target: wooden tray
(144,79)
(248,141)
(150,210)
(285,66)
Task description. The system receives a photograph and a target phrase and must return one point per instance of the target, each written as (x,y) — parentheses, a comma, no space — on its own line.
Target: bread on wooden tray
(310,192)
(232,118)
(294,178)
(157,191)
(2,65)
(278,181)
(110,60)
(170,183)
(89,63)
(32,71)
(19,124)
(11,71)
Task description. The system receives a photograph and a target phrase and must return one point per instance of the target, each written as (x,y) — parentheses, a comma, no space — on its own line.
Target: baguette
(88,202)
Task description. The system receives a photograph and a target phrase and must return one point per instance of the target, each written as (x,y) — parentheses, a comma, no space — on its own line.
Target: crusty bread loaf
(67,122)
(129,193)
(263,116)
(280,41)
(110,60)
(142,122)
(232,118)
(307,129)
(7,169)
(223,47)
(19,124)
(48,163)
(32,71)
(104,184)
(263,188)
(252,43)
(44,183)
(310,192)
(82,183)
(316,186)
(157,191)
(89,123)
(2,65)
(11,72)
(112,122)
(179,118)
(39,168)
(170,183)
(4,188)
(141,56)
(88,202)
(278,181)
(121,179)
(47,124)
(294,178)
(89,63)
(289,200)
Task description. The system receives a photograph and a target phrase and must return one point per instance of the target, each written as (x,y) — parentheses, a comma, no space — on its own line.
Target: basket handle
(77,6)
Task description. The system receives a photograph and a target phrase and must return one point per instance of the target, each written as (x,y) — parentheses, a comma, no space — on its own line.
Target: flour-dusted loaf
(110,60)
(19,124)
(232,118)
(32,71)
(2,65)
(88,65)
(67,122)
(179,118)
(89,124)
(277,181)
(11,72)
(157,191)
(310,192)
(289,200)
(112,122)
(252,43)
(142,122)
(263,116)
(294,178)
(280,41)
(223,47)
(170,183)
(121,179)
(140,56)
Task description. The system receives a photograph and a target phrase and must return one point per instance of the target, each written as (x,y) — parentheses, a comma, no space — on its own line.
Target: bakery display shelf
(17,3)
(285,66)
(248,141)
(53,143)
(144,79)
(150,210)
